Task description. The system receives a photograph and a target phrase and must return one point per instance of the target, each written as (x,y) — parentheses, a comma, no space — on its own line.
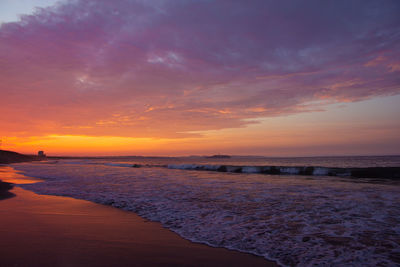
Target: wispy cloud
(171,68)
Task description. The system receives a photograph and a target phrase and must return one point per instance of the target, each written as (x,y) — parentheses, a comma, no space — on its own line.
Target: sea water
(297,217)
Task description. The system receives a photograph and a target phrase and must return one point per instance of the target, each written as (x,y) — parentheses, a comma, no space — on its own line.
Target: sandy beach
(38,230)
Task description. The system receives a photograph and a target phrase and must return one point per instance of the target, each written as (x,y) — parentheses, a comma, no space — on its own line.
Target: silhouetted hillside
(12,157)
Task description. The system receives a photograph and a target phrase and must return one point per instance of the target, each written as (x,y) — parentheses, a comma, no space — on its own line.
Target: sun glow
(87,145)
(299,134)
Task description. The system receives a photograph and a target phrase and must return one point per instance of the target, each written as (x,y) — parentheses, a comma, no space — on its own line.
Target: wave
(358,172)
(123,165)
(371,172)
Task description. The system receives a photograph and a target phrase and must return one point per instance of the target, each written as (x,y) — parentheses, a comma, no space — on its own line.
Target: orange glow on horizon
(81,145)
(336,131)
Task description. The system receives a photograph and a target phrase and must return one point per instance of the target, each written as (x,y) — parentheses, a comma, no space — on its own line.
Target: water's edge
(286,219)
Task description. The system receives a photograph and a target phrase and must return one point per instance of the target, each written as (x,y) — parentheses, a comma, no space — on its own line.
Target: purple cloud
(168,68)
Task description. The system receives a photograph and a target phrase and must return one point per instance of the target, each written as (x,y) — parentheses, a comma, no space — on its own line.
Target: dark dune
(4,193)
(7,157)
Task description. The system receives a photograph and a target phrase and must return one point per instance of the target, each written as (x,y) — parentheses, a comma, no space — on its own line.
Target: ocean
(325,211)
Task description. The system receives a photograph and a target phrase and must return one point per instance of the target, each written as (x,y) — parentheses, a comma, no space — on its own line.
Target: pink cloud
(168,68)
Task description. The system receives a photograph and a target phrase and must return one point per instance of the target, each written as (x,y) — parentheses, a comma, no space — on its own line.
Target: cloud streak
(172,68)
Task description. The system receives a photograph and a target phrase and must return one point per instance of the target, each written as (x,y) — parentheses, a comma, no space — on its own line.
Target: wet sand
(38,230)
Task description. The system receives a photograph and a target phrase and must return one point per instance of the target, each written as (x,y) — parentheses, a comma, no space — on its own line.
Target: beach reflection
(9,175)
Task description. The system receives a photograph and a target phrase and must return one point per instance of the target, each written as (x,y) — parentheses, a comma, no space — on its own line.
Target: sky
(172,77)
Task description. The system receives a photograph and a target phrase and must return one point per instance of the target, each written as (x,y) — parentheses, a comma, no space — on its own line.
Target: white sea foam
(320,171)
(298,221)
(251,169)
(290,170)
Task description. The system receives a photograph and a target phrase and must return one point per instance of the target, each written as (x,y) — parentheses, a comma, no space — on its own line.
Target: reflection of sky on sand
(9,175)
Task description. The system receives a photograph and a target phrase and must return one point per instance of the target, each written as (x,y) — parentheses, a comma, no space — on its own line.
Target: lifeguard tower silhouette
(41,154)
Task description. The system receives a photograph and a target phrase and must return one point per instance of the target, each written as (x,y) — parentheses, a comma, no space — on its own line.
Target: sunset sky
(155,77)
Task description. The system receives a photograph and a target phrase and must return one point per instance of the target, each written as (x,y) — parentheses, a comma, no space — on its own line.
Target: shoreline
(59,231)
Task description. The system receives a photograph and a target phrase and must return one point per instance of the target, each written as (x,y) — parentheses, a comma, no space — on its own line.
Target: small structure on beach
(41,154)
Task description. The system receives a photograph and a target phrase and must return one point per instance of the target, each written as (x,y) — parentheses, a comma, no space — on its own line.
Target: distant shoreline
(216,156)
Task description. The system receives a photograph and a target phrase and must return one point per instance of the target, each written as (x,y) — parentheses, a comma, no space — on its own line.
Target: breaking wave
(366,172)
(372,172)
